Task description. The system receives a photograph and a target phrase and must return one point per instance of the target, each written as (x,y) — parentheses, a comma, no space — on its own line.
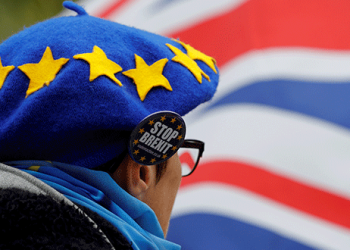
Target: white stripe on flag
(169,16)
(253,209)
(294,145)
(286,63)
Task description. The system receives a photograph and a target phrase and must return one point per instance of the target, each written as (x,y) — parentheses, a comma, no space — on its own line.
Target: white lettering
(162,129)
(155,142)
(155,127)
(164,145)
(144,137)
(166,149)
(160,145)
(150,140)
(166,133)
(173,135)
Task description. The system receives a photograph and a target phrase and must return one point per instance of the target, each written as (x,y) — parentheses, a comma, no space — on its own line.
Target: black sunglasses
(190,153)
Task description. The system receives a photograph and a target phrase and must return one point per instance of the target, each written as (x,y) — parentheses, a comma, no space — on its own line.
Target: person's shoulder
(36,221)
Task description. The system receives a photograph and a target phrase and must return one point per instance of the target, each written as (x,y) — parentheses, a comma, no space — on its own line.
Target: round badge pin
(157,138)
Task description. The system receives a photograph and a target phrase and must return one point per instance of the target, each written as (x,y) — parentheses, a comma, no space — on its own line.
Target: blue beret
(73,88)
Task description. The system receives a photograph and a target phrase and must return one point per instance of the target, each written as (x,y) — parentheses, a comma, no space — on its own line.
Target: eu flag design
(276,169)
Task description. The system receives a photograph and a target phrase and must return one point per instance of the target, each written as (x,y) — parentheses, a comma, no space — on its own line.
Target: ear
(134,178)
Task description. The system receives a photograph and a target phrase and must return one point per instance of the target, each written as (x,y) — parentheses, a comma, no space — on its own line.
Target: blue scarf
(97,191)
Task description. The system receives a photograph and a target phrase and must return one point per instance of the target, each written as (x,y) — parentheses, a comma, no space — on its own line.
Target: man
(90,126)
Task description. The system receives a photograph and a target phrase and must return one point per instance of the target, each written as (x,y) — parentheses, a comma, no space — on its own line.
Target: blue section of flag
(328,101)
(208,232)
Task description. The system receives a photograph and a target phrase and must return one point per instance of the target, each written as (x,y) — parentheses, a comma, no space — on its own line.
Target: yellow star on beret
(43,72)
(100,65)
(197,55)
(4,71)
(146,77)
(188,62)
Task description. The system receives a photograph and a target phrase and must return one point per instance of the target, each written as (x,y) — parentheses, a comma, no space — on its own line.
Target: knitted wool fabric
(72,88)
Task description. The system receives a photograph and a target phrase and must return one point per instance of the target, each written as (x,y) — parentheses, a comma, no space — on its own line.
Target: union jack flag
(276,168)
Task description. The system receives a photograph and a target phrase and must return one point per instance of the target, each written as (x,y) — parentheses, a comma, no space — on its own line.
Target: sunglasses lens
(188,158)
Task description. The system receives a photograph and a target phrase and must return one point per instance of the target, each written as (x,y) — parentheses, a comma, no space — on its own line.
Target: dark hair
(161,167)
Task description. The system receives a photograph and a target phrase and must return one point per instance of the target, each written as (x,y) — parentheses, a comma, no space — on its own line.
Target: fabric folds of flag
(275,173)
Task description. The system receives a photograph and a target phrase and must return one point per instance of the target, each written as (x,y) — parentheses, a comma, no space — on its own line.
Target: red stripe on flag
(186,158)
(112,9)
(260,24)
(319,203)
